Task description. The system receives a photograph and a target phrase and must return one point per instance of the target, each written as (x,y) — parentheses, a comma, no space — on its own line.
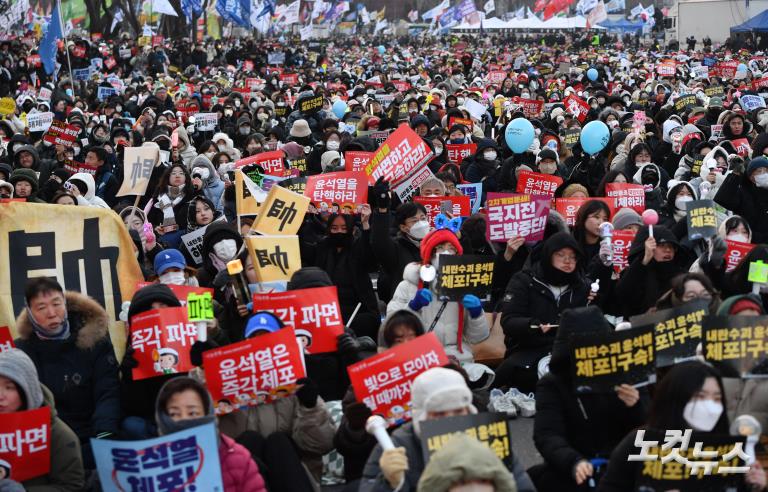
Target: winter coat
(38,165)
(704,172)
(740,195)
(187,151)
(355,445)
(239,473)
(393,254)
(89,199)
(475,330)
(213,187)
(310,428)
(373,479)
(80,371)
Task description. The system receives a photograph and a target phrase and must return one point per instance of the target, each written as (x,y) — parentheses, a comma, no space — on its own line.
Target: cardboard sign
(602,362)
(206,122)
(490,429)
(512,215)
(403,154)
(458,275)
(184,460)
(459,206)
(161,339)
(676,331)
(735,252)
(60,133)
(621,243)
(569,207)
(356,160)
(39,122)
(200,307)
(311,105)
(738,345)
(626,195)
(6,340)
(702,222)
(282,213)
(383,382)
(182,292)
(25,443)
(272,163)
(408,188)
(742,147)
(532,183)
(475,193)
(348,189)
(274,257)
(139,162)
(456,153)
(314,314)
(572,137)
(258,370)
(577,107)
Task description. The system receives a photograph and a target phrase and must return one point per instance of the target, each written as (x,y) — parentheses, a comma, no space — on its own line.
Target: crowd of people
(543,291)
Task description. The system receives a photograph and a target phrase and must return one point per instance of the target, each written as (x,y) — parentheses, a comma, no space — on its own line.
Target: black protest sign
(676,331)
(490,429)
(715,91)
(685,102)
(702,222)
(296,185)
(458,275)
(696,166)
(604,361)
(571,137)
(300,164)
(281,110)
(738,345)
(311,105)
(688,461)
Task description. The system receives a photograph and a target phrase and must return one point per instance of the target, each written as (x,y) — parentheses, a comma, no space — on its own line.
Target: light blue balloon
(594,137)
(519,135)
(382,50)
(339,108)
(592,74)
(741,68)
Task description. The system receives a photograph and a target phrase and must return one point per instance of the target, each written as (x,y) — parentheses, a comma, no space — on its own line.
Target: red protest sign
(383,382)
(461,121)
(666,69)
(532,183)
(735,252)
(26,443)
(742,147)
(110,62)
(569,207)
(347,188)
(289,78)
(34,61)
(530,107)
(271,162)
(759,84)
(458,152)
(80,167)
(314,314)
(161,339)
(181,291)
(621,242)
(402,154)
(157,40)
(6,340)
(401,85)
(60,133)
(356,160)
(496,76)
(577,107)
(512,215)
(626,195)
(727,69)
(259,370)
(460,206)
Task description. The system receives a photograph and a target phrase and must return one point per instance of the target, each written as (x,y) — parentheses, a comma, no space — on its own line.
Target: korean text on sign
(343,188)
(738,344)
(161,339)
(25,442)
(531,183)
(490,429)
(6,340)
(512,215)
(677,331)
(458,275)
(626,196)
(401,154)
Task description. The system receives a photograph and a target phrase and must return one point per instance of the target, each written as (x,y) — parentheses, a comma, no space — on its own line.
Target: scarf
(165,204)
(62,333)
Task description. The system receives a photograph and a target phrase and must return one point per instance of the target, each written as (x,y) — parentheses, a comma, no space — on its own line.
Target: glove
(381,193)
(422,298)
(129,361)
(393,464)
(8,485)
(606,253)
(356,414)
(737,166)
(717,250)
(347,344)
(473,305)
(307,393)
(196,352)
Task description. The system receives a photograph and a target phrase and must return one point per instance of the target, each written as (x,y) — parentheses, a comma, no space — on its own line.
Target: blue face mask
(457,140)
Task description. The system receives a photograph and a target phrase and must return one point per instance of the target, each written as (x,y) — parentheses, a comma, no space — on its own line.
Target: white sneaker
(500,402)
(526,404)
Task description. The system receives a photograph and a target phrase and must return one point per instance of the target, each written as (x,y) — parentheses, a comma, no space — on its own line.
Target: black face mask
(164,144)
(339,239)
(714,113)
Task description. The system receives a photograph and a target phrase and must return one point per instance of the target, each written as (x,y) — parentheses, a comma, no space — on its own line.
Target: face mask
(204,172)
(262,116)
(702,415)
(332,145)
(419,229)
(118,109)
(210,155)
(489,156)
(338,239)
(438,150)
(76,150)
(172,278)
(225,249)
(457,140)
(436,260)
(525,95)
(681,201)
(761,180)
(244,130)
(741,238)
(613,124)
(548,168)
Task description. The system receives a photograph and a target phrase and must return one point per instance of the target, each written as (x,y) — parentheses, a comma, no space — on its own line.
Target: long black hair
(588,208)
(162,186)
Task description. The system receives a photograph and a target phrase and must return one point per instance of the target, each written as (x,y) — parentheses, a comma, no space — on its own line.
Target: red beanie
(434,238)
(743,305)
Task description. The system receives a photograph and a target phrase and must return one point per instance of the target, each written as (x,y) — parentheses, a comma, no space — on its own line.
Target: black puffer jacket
(740,195)
(392,253)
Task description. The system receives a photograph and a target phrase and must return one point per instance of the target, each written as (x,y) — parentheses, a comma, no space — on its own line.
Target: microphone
(239,285)
(377,427)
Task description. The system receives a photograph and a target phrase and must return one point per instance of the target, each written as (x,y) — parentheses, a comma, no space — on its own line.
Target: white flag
(380,26)
(637,10)
(437,11)
(520,14)
(585,6)
(597,15)
(365,16)
(413,15)
(319,8)
(292,13)
(164,7)
(306,32)
(489,6)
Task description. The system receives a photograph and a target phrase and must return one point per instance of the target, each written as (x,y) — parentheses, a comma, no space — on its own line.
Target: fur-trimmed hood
(88,321)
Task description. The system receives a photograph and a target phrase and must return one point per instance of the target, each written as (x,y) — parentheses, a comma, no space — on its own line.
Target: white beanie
(438,390)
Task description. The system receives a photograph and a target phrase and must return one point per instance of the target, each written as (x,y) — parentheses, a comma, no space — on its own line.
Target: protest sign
(737,345)
(39,122)
(735,252)
(274,257)
(577,107)
(6,340)
(490,429)
(717,132)
(569,207)
(276,58)
(685,102)
(206,122)
(702,222)
(314,314)
(715,91)
(81,73)
(760,83)
(626,195)
(200,307)
(248,193)
(25,443)
(311,105)
(258,370)
(461,121)
(182,292)
(742,147)
(571,137)
(496,76)
(475,193)
(603,361)
(530,107)
(475,109)
(193,241)
(184,460)
(296,185)
(458,152)
(456,206)
(356,160)
(751,102)
(92,254)
(512,215)
(60,133)
(74,167)
(347,189)
(378,136)
(139,162)
(698,161)
(161,339)
(532,183)
(272,163)
(103,93)
(383,382)
(282,212)
(399,157)
(621,243)
(410,186)
(676,331)
(458,275)
(666,69)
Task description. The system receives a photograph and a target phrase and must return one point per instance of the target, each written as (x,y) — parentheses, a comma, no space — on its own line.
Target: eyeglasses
(177,173)
(565,257)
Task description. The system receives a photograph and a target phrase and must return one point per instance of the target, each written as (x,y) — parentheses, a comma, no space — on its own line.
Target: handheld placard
(758,275)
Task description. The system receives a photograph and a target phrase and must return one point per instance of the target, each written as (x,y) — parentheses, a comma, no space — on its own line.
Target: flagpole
(66,48)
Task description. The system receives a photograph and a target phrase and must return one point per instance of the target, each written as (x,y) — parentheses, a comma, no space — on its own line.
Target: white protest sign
(39,122)
(752,102)
(206,122)
(193,241)
(475,109)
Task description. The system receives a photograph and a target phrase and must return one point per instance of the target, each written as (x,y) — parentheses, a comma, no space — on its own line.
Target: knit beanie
(19,368)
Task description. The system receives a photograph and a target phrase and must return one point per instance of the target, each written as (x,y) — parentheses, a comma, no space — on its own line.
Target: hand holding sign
(200,311)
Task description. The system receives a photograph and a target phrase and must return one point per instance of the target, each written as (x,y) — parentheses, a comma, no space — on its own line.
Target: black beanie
(308,277)
(144,297)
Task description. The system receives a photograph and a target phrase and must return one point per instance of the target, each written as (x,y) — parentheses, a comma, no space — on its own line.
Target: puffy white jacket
(89,199)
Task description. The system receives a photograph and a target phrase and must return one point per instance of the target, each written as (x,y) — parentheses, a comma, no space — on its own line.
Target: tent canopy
(576,22)
(622,25)
(758,23)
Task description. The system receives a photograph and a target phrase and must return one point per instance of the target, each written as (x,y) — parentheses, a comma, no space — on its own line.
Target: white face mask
(225,249)
(613,124)
(702,415)
(173,278)
(761,180)
(436,260)
(210,155)
(332,145)
(419,229)
(204,172)
(741,238)
(489,156)
(262,116)
(438,150)
(681,201)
